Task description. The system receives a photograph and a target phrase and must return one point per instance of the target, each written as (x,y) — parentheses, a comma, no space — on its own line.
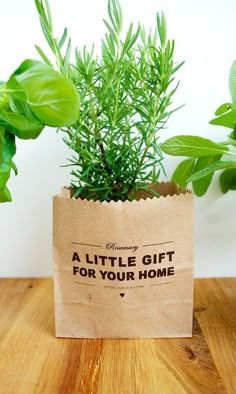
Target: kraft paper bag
(124,269)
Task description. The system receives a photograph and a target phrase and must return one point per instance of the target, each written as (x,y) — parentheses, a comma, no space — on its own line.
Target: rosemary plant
(125,98)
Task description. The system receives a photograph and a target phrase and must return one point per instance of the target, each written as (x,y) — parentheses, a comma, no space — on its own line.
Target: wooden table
(32,360)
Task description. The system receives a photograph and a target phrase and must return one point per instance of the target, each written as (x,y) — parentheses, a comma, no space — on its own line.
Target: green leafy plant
(125,97)
(205,157)
(34,96)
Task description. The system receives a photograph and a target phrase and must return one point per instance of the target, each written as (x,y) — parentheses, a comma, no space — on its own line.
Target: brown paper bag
(124,269)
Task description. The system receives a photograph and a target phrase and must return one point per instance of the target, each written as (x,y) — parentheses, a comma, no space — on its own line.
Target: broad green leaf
(233,134)
(1,143)
(5,195)
(228,180)
(5,171)
(218,165)
(223,108)
(225,120)
(19,125)
(201,186)
(51,96)
(183,172)
(16,115)
(19,104)
(192,146)
(9,148)
(232,82)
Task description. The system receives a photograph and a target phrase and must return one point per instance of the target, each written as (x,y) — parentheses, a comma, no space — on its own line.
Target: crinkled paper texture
(124,269)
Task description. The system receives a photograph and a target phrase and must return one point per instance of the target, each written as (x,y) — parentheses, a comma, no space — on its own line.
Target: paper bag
(124,269)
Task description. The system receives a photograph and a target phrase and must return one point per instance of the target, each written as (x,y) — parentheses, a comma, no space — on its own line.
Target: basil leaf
(51,96)
(5,195)
(183,172)
(9,148)
(201,185)
(223,108)
(5,171)
(225,120)
(19,125)
(1,143)
(8,151)
(192,146)
(218,165)
(228,180)
(233,134)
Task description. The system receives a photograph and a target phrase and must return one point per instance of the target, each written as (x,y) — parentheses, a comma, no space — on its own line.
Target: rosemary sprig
(125,99)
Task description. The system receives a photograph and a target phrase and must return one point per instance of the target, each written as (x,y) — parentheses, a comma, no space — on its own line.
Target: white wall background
(205,33)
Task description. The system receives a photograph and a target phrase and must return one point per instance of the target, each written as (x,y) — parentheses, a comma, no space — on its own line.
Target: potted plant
(205,156)
(122,240)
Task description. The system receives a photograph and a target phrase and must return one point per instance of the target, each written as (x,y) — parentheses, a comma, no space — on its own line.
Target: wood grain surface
(32,360)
